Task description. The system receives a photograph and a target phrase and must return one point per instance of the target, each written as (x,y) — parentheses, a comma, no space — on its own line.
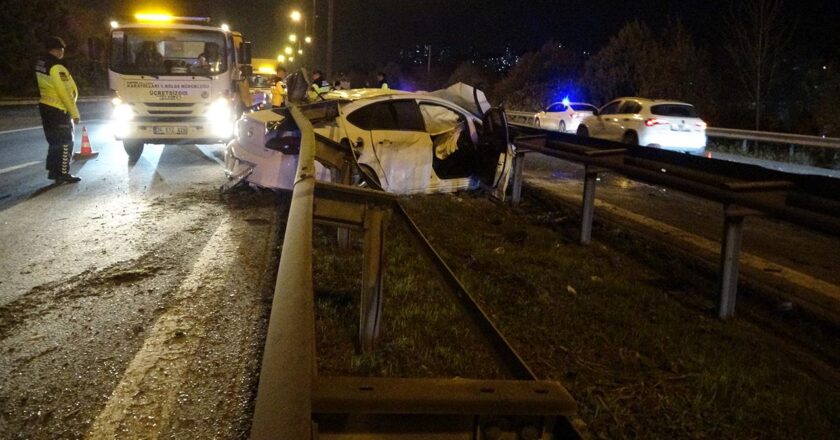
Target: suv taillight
(654,121)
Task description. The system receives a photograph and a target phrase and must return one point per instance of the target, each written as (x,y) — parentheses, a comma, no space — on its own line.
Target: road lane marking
(755,262)
(17,167)
(39,127)
(142,403)
(21,129)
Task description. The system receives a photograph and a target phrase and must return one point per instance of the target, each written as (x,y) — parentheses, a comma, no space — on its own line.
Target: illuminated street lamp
(295,16)
(281,59)
(308,39)
(300,51)
(293,38)
(291,59)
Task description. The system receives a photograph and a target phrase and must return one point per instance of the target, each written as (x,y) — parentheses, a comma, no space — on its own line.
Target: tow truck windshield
(168,52)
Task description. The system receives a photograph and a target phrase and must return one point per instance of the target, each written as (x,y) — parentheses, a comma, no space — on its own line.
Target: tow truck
(176,80)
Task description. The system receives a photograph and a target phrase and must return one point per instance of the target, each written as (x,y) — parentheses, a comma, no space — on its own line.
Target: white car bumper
(688,141)
(271,169)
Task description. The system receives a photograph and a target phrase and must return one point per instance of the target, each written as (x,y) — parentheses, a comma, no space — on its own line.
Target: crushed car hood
(466,96)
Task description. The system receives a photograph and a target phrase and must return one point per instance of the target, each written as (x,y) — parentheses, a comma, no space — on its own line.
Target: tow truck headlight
(120,116)
(122,113)
(220,117)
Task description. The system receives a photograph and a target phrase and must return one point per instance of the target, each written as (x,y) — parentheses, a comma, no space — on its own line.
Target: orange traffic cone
(87,152)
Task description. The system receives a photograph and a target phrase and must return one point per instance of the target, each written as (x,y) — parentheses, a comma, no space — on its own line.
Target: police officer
(319,85)
(380,80)
(58,109)
(278,90)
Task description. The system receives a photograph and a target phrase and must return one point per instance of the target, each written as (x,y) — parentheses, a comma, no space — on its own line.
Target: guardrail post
(370,306)
(730,251)
(517,171)
(343,176)
(589,181)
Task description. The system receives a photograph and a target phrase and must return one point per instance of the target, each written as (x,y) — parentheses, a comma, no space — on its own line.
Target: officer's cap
(53,42)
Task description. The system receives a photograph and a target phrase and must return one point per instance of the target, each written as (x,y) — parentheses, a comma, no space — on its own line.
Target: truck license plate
(170,130)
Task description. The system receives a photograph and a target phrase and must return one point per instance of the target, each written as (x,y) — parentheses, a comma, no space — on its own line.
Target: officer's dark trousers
(58,128)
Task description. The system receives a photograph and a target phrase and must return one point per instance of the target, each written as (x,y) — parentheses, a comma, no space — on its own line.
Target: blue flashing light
(566,101)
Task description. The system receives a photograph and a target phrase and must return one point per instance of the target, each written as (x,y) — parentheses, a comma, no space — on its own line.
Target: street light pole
(330,16)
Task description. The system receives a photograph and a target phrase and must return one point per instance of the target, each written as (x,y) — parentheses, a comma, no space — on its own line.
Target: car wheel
(134,149)
(631,138)
(582,131)
(562,126)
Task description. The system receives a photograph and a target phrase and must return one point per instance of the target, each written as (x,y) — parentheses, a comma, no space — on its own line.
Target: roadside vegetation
(638,346)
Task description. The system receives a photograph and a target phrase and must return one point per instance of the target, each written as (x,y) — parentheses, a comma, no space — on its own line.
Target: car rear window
(583,108)
(678,110)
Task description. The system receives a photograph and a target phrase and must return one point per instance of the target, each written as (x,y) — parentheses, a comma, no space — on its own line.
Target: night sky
(373,31)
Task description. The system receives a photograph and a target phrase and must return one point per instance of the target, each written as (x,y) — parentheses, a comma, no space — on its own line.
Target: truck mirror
(245,48)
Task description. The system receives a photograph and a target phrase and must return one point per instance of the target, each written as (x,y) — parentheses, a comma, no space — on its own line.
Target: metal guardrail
(528,119)
(293,402)
(744,190)
(517,117)
(284,396)
(778,138)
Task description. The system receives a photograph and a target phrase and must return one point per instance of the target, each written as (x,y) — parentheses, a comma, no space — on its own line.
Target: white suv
(670,125)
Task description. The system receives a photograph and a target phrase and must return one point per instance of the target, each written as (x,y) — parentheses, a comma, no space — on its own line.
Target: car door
(627,118)
(553,115)
(603,123)
(397,144)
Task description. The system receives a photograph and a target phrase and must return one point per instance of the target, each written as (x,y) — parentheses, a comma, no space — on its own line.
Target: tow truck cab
(176,81)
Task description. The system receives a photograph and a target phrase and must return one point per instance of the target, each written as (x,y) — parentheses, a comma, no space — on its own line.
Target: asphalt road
(133,301)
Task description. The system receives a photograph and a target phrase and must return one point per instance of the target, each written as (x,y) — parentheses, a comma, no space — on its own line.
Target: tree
(468,72)
(618,68)
(755,35)
(635,62)
(539,77)
(21,39)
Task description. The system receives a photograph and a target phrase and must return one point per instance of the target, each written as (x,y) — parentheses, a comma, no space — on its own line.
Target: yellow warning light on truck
(153,17)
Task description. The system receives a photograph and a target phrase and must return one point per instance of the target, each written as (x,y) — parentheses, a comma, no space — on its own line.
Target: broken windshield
(147,51)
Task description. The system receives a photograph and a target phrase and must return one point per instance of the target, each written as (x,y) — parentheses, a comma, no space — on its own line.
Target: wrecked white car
(408,143)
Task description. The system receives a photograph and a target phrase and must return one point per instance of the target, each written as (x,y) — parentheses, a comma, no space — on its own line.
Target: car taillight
(702,125)
(654,121)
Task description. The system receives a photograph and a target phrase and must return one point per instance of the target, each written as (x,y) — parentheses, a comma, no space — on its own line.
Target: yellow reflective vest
(56,85)
(278,93)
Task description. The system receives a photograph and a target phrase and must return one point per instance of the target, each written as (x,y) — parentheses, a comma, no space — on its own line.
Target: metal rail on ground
(743,190)
(294,402)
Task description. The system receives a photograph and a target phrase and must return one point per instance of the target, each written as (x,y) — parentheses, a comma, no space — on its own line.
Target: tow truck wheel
(134,149)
